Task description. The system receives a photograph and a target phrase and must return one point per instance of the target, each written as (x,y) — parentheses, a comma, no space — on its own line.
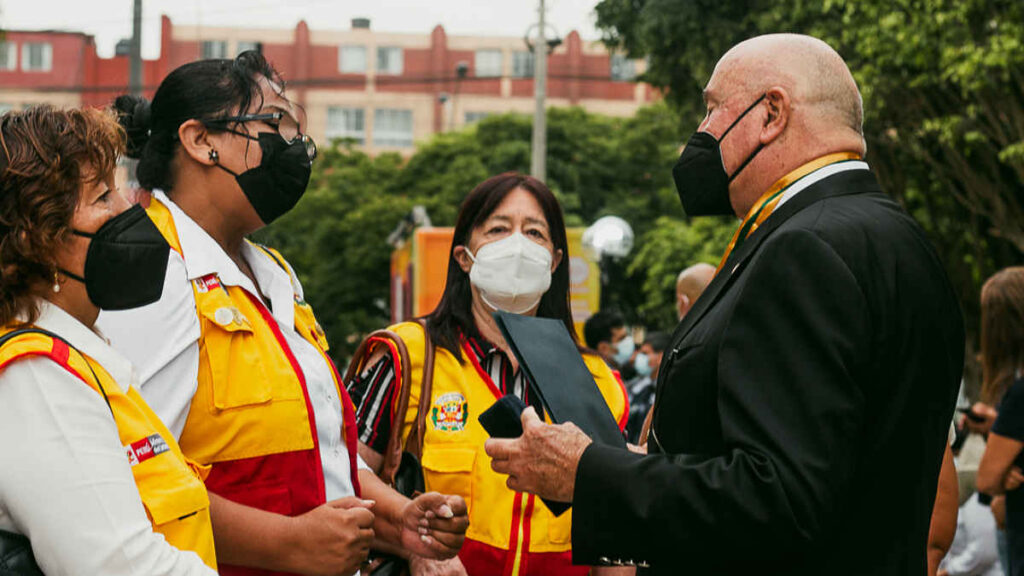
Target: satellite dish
(609,236)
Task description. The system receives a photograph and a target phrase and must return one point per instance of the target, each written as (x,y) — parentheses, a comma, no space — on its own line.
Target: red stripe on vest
(484,560)
(625,398)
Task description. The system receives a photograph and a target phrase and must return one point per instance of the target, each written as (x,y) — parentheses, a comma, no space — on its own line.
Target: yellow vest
(509,532)
(170,485)
(251,418)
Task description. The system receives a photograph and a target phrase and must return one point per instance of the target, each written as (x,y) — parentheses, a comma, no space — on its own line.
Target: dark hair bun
(133,112)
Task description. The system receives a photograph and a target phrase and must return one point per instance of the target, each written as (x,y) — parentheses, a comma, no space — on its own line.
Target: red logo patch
(144,449)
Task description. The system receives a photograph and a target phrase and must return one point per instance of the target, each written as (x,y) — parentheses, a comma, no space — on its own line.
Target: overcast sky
(110,20)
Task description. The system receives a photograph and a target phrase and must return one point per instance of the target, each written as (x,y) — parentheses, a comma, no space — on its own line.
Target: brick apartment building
(386,91)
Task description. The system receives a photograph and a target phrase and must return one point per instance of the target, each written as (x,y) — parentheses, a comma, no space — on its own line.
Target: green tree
(336,237)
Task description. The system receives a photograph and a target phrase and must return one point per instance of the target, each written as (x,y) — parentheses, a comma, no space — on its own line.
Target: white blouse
(64,478)
(162,339)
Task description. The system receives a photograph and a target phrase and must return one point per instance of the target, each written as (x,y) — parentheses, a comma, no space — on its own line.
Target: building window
(346,123)
(522,64)
(8,56)
(474,117)
(352,59)
(36,57)
(392,127)
(623,69)
(245,46)
(389,60)
(488,63)
(213,49)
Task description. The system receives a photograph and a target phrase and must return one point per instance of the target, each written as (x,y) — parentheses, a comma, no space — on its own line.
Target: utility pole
(135,71)
(539,150)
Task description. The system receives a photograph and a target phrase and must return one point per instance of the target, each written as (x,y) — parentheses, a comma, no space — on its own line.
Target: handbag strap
(414,444)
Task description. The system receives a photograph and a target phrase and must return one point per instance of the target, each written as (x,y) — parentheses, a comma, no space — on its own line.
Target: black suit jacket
(802,409)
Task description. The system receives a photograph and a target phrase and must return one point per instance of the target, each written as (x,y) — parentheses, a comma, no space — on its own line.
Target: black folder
(555,371)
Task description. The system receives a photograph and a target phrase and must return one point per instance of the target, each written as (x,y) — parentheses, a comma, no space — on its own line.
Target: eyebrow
(708,95)
(529,220)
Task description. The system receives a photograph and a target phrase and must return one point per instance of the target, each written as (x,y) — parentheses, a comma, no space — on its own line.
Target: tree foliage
(336,237)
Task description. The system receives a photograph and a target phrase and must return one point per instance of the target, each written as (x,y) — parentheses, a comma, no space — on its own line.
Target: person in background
(88,473)
(1002,369)
(691,284)
(605,333)
(232,357)
(973,552)
(641,388)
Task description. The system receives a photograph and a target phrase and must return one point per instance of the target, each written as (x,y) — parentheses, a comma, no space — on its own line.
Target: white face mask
(512,274)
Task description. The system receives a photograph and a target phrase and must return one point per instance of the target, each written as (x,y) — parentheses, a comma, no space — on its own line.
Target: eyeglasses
(285,124)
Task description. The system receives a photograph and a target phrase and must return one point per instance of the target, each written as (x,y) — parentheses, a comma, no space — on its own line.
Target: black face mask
(276,185)
(126,262)
(700,176)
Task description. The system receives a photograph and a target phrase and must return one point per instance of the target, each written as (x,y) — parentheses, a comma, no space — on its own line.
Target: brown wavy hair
(1002,331)
(46,156)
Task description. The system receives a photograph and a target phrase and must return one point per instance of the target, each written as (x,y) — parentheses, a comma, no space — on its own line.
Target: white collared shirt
(819,175)
(162,339)
(64,477)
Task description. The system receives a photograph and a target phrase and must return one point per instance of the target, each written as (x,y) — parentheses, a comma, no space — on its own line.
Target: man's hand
(434,525)
(334,539)
(543,460)
(423,567)
(998,507)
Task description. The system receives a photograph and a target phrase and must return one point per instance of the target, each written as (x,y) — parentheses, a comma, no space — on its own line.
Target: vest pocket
(449,471)
(236,370)
(172,496)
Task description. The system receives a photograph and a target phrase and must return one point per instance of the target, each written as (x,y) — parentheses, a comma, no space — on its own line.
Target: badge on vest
(450,412)
(207,283)
(145,449)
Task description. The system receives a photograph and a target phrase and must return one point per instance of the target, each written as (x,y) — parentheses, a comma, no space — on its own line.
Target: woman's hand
(1014,478)
(433,525)
(424,567)
(334,538)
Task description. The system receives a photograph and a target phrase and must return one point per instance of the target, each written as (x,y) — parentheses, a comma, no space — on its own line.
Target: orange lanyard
(768,201)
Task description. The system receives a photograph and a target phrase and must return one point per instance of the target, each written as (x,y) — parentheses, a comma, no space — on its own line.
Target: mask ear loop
(731,126)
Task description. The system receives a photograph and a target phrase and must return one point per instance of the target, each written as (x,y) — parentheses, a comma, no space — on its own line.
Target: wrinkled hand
(423,567)
(434,525)
(335,537)
(1013,479)
(543,460)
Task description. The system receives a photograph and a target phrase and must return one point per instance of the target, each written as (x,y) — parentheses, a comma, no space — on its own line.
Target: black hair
(658,341)
(201,89)
(453,316)
(598,328)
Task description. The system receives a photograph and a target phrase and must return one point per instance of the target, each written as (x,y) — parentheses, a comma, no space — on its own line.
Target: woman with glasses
(232,357)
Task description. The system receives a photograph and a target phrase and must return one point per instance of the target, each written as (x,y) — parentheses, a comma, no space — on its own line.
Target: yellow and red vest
(510,533)
(171,487)
(251,417)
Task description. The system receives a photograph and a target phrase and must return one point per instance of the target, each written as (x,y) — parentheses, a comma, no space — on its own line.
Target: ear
(779,108)
(195,140)
(461,254)
(557,260)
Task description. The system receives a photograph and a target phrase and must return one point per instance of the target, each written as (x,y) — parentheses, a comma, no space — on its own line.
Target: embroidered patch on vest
(145,449)
(450,412)
(207,283)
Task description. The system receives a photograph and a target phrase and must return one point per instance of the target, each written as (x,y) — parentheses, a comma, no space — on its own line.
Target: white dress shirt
(64,479)
(162,339)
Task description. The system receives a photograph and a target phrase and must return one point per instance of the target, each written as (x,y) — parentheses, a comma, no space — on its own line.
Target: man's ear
(461,255)
(195,140)
(779,105)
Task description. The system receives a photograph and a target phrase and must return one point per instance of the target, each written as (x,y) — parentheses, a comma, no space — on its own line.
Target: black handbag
(16,557)
(401,469)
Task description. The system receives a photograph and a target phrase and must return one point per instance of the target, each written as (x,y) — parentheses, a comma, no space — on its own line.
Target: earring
(56,283)
(214,157)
